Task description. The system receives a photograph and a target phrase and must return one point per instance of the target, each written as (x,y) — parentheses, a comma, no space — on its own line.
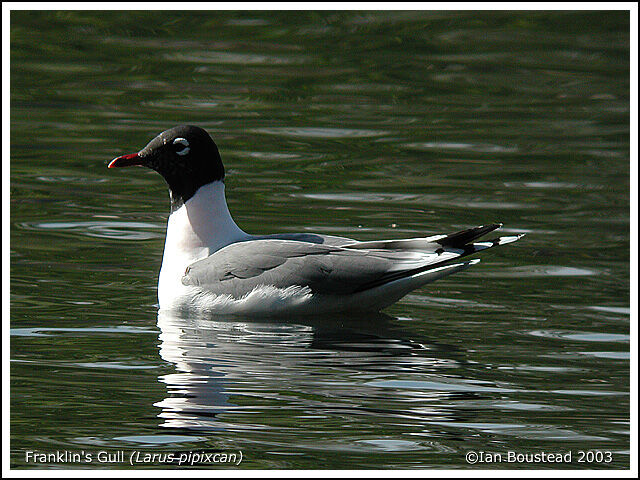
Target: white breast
(197,229)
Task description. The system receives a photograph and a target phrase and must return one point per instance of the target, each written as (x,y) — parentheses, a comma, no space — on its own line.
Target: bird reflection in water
(230,367)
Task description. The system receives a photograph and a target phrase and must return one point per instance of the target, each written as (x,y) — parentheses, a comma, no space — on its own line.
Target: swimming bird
(210,264)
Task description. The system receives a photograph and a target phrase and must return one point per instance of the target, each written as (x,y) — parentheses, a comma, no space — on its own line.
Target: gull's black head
(185,156)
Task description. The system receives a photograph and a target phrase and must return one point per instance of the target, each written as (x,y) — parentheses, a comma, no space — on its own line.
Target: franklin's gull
(211,265)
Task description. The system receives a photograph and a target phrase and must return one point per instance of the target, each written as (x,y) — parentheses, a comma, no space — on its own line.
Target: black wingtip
(460,239)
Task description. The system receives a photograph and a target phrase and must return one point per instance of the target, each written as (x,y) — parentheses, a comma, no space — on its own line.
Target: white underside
(268,300)
(203,225)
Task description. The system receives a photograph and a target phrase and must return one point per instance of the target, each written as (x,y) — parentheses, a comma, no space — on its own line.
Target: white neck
(197,229)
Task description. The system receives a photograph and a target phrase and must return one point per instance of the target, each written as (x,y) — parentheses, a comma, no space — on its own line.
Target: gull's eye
(182,146)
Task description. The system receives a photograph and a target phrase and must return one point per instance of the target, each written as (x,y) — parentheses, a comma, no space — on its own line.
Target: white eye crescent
(185,145)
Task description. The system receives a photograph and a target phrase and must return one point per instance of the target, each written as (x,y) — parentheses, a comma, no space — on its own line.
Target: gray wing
(330,265)
(331,240)
(238,268)
(459,243)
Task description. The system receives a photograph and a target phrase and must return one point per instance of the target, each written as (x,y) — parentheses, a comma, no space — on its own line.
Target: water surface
(363,124)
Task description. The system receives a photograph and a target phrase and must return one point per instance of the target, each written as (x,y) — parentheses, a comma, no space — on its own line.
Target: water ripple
(471,147)
(318,132)
(50,331)
(531,271)
(237,58)
(100,229)
(581,336)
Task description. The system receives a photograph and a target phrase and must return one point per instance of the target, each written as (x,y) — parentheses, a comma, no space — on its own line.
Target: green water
(362,124)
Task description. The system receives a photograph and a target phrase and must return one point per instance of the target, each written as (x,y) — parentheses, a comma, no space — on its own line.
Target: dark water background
(363,124)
